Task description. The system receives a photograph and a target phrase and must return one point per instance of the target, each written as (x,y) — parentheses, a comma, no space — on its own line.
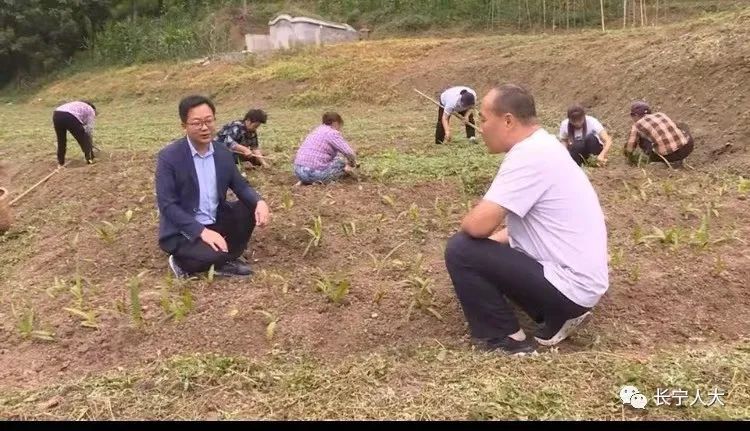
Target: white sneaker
(566,330)
(473,139)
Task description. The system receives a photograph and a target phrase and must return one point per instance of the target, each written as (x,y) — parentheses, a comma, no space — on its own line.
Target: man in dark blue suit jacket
(198,227)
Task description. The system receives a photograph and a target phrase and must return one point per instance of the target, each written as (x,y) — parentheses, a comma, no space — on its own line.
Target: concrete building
(286,32)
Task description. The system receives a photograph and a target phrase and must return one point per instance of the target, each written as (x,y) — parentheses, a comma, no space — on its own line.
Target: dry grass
(424,383)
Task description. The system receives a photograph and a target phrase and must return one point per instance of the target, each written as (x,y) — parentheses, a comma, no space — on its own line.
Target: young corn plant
(743,187)
(634,274)
(88,317)
(286,201)
(271,322)
(128,215)
(387,200)
(335,289)
(27,326)
(106,232)
(316,234)
(350,229)
(134,287)
(379,264)
(176,308)
(422,296)
(669,236)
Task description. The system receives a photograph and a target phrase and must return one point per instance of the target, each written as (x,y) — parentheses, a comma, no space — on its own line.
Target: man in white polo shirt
(460,100)
(537,238)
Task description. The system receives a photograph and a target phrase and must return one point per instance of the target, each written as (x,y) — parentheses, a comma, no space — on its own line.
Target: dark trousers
(487,274)
(581,149)
(65,122)
(234,221)
(648,147)
(440,130)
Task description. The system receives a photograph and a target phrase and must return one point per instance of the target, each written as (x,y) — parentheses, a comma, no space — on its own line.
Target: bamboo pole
(601,6)
(34,186)
(624,13)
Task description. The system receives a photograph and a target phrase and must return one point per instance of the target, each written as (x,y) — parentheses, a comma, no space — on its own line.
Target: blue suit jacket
(177,191)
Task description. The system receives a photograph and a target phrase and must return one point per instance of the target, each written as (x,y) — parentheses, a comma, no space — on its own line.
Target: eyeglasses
(198,124)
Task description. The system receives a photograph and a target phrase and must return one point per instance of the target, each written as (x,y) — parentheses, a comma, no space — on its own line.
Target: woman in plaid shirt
(324,155)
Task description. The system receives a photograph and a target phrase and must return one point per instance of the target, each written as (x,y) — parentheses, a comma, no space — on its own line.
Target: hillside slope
(696,72)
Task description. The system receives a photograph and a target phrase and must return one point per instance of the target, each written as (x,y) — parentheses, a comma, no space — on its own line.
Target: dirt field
(75,344)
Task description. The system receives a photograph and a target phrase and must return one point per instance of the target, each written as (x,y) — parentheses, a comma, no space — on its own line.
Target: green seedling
(634,274)
(128,216)
(334,289)
(26,326)
(271,322)
(350,228)
(670,236)
(286,201)
(177,308)
(617,257)
(422,296)
(316,234)
(743,187)
(106,231)
(387,200)
(379,264)
(134,287)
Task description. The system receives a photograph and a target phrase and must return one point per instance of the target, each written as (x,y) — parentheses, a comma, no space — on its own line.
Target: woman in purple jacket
(77,118)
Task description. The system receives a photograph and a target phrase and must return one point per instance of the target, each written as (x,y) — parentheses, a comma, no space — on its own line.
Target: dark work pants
(65,122)
(440,130)
(234,221)
(581,149)
(487,274)
(648,147)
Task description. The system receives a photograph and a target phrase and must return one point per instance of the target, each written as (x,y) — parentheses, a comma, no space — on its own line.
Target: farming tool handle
(440,105)
(18,198)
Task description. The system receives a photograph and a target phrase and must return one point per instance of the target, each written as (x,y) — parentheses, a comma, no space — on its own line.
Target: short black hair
(190,102)
(91,104)
(332,117)
(256,116)
(514,99)
(467,99)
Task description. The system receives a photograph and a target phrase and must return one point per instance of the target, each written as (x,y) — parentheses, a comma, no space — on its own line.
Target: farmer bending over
(537,238)
(658,136)
(324,155)
(460,100)
(584,136)
(77,118)
(198,227)
(241,137)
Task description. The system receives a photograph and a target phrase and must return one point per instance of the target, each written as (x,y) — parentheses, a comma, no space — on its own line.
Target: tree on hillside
(36,36)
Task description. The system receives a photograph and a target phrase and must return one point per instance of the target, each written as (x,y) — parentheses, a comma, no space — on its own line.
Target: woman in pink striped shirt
(78,119)
(324,155)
